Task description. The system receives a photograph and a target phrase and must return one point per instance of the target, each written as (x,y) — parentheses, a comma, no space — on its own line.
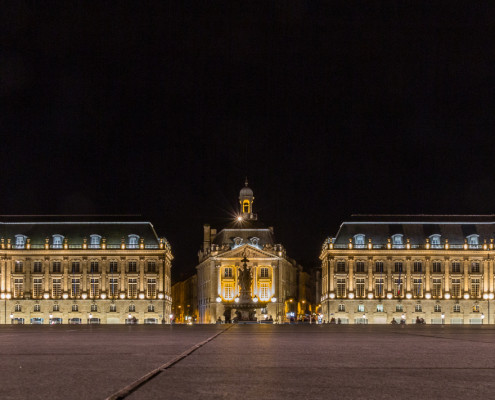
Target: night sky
(330,109)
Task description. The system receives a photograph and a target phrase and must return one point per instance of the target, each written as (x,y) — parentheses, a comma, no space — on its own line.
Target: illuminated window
(151,308)
(114,287)
(475,267)
(18,287)
(437,266)
(341,308)
(245,206)
(37,308)
(436,289)
(229,291)
(476,308)
(457,308)
(56,307)
(75,307)
(56,288)
(94,288)
(57,241)
(264,292)
(56,267)
(132,308)
(359,266)
(133,242)
(360,287)
(75,267)
(456,267)
(398,266)
(379,266)
(379,308)
(418,266)
(113,268)
(151,288)
(264,272)
(398,287)
(418,308)
(399,307)
(94,308)
(435,241)
(341,266)
(132,266)
(75,288)
(37,288)
(341,288)
(18,267)
(475,287)
(37,267)
(473,241)
(359,241)
(20,241)
(379,287)
(113,308)
(94,241)
(417,287)
(397,241)
(360,307)
(228,272)
(456,288)
(132,288)
(94,267)
(151,266)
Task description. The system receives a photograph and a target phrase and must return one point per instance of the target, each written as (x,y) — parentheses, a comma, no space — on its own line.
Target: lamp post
(11,319)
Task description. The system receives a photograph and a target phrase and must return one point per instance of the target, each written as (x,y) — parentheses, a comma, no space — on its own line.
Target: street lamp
(443,318)
(89,319)
(11,318)
(51,317)
(482,318)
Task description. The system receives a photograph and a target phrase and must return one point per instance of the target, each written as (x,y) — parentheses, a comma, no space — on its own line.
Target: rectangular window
(132,266)
(379,287)
(94,267)
(113,308)
(417,287)
(56,267)
(18,287)
(437,267)
(456,267)
(360,266)
(132,288)
(37,288)
(56,307)
(264,272)
(436,290)
(398,287)
(37,268)
(418,308)
(264,292)
(56,288)
(94,287)
(379,308)
(340,266)
(228,272)
(113,267)
(360,287)
(457,308)
(418,266)
(360,307)
(75,288)
(341,288)
(37,308)
(75,307)
(75,267)
(151,267)
(151,288)
(18,267)
(475,267)
(94,308)
(456,288)
(475,287)
(379,266)
(114,287)
(229,291)
(398,266)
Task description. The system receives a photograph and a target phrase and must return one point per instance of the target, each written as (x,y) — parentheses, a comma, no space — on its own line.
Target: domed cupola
(246,198)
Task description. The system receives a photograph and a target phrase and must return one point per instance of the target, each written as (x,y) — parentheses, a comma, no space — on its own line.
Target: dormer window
(473,241)
(237,241)
(57,241)
(398,241)
(255,241)
(359,241)
(435,241)
(20,241)
(133,241)
(94,241)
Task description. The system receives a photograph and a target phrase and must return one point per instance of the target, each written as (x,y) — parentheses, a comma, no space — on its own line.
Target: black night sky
(329,108)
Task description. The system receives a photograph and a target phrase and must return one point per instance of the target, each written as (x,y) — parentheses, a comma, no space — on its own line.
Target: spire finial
(246,183)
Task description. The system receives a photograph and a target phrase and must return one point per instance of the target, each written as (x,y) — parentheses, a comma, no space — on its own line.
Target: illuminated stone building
(80,270)
(435,268)
(271,280)
(185,300)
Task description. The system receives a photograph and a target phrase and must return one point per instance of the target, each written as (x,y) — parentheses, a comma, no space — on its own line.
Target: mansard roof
(416,228)
(245,230)
(77,227)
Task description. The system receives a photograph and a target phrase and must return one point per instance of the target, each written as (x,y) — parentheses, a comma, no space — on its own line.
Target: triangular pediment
(248,251)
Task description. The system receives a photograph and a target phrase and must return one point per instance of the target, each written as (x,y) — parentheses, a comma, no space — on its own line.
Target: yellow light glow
(428,295)
(239,218)
(447,296)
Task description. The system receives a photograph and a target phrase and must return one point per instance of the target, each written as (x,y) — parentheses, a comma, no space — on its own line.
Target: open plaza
(246,361)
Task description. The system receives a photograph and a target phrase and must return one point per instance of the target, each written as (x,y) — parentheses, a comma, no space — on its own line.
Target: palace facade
(271,290)
(73,270)
(434,268)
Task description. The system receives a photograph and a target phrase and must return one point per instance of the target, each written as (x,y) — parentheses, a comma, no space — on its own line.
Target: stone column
(161,273)
(65,270)
(123,267)
(84,274)
(141,274)
(3,272)
(485,275)
(370,274)
(8,275)
(46,264)
(350,284)
(446,282)
(408,274)
(466,274)
(490,274)
(388,265)
(331,279)
(28,285)
(104,266)
(427,274)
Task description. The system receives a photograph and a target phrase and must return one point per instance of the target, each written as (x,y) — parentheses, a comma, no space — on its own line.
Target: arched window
(359,241)
(94,241)
(57,241)
(245,206)
(398,241)
(473,241)
(20,241)
(133,241)
(435,241)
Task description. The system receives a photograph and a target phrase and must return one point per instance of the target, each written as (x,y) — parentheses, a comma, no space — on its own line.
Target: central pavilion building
(436,268)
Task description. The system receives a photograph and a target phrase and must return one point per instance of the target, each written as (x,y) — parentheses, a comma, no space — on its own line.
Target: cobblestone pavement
(247,362)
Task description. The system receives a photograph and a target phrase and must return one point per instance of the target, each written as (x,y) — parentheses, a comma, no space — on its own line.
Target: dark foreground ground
(249,362)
